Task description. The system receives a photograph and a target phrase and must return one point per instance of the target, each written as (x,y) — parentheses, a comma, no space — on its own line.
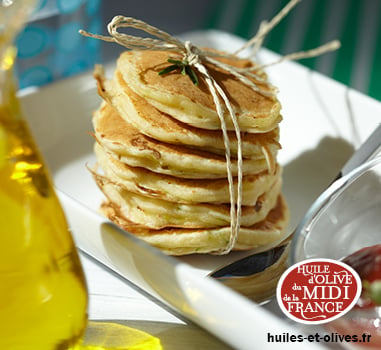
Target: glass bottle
(43,294)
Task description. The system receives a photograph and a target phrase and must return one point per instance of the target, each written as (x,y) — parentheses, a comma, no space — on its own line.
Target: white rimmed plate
(323,122)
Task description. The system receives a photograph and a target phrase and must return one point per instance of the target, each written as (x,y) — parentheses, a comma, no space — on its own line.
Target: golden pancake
(176,95)
(160,126)
(157,213)
(181,241)
(127,144)
(175,189)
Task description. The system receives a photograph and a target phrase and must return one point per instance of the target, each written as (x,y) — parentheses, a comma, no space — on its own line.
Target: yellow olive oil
(43,295)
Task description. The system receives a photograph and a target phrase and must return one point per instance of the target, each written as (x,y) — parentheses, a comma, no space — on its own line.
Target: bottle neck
(13,16)
(9,104)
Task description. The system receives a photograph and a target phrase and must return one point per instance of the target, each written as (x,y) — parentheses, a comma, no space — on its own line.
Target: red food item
(364,319)
(361,327)
(367,263)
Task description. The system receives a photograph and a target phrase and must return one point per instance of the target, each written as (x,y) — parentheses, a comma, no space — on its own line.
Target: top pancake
(160,126)
(176,95)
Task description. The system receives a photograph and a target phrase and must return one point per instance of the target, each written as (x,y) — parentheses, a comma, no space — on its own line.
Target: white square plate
(323,123)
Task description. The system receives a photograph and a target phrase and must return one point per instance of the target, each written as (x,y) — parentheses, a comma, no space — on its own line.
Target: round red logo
(318,290)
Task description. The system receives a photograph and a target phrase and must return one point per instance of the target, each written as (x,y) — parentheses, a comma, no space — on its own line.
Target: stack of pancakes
(161,152)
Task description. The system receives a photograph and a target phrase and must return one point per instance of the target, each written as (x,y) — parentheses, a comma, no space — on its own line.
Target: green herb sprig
(183,66)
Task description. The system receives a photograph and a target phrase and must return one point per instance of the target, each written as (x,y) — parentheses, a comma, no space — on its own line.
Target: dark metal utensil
(250,265)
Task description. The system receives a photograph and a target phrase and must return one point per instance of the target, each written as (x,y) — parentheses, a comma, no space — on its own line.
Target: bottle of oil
(43,295)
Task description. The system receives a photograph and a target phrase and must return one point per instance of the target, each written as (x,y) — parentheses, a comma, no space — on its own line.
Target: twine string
(257,44)
(198,58)
(330,46)
(266,27)
(195,58)
(235,203)
(165,41)
(192,55)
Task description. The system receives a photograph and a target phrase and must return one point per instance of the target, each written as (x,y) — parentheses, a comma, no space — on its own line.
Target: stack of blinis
(162,158)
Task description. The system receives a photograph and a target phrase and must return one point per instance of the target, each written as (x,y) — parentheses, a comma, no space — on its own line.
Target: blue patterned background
(50,48)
